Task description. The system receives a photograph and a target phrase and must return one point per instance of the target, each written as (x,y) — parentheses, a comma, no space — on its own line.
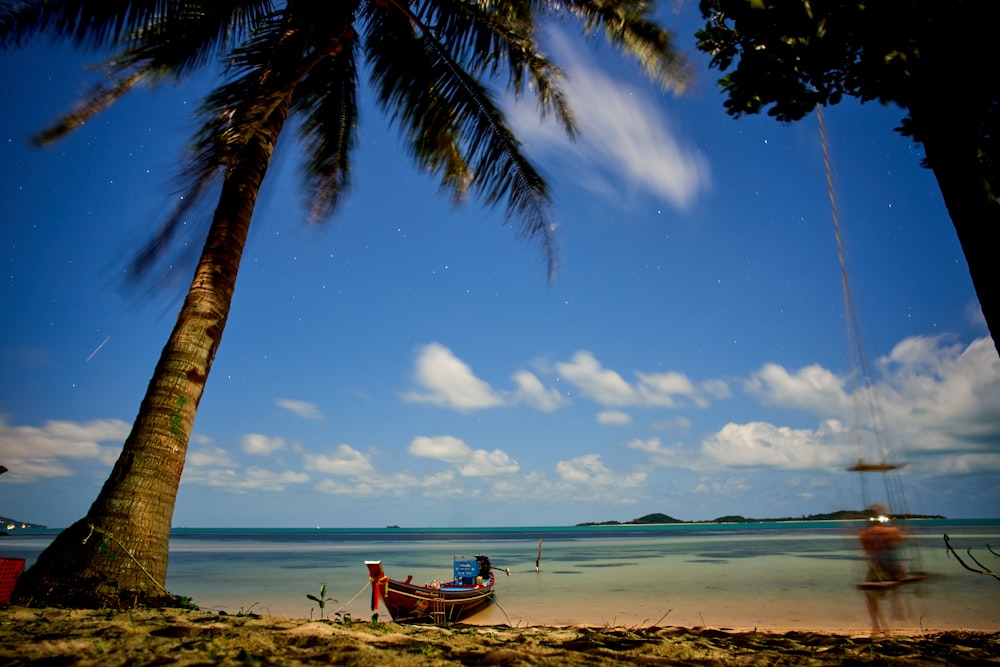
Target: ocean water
(774,576)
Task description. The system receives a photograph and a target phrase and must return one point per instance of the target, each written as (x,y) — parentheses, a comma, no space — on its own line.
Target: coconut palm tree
(292,64)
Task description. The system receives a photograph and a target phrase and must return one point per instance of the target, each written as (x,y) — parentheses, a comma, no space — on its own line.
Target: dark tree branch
(984,570)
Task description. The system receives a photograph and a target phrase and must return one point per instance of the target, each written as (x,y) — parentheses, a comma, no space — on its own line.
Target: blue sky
(410,364)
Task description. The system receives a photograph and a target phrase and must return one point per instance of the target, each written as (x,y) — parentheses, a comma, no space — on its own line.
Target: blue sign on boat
(466,571)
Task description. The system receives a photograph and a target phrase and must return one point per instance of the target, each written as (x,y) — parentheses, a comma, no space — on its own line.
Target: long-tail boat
(437,602)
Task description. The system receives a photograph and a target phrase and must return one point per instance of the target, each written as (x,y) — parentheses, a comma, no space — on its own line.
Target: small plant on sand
(321,600)
(183,602)
(428,650)
(248,612)
(378,626)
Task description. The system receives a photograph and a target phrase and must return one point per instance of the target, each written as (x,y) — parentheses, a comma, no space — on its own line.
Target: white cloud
(468,462)
(944,397)
(625,142)
(244,481)
(32,453)
(660,454)
(590,470)
(961,464)
(660,388)
(486,464)
(303,409)
(533,393)
(373,485)
(763,445)
(446,484)
(812,388)
(255,443)
(725,487)
(973,313)
(344,460)
(609,388)
(716,388)
(449,382)
(596,382)
(443,479)
(933,399)
(215,467)
(208,457)
(614,418)
(443,447)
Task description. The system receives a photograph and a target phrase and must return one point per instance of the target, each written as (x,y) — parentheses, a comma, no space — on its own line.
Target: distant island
(841,515)
(7,524)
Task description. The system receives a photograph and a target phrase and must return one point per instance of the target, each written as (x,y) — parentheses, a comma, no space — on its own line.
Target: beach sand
(30,636)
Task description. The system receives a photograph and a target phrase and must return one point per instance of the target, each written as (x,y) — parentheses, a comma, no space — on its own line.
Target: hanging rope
(856,355)
(111,537)
(849,314)
(884,463)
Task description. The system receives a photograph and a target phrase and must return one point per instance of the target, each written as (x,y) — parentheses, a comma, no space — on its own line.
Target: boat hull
(439,603)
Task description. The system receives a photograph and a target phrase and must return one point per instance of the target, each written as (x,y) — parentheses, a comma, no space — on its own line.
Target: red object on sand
(10,570)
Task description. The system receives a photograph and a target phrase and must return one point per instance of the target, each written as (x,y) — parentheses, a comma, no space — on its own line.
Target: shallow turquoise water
(766,575)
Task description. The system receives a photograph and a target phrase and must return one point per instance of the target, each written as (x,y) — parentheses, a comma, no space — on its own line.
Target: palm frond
(263,72)
(626,24)
(499,39)
(233,115)
(90,23)
(98,99)
(185,40)
(395,57)
(327,99)
(170,44)
(454,127)
(190,31)
(151,252)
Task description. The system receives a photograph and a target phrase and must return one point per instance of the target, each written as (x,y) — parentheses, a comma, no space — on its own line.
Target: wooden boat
(436,602)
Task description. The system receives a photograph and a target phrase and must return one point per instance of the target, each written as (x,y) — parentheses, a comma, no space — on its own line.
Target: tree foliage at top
(937,60)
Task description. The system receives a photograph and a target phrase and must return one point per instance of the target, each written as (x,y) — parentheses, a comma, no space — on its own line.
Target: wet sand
(31,636)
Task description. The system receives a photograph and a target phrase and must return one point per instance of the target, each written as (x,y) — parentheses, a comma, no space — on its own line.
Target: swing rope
(856,355)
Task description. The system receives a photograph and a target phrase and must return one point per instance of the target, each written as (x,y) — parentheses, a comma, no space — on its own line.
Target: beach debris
(983,569)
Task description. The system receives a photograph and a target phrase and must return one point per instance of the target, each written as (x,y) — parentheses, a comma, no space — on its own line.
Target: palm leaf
(499,40)
(453,126)
(626,25)
(101,24)
(327,100)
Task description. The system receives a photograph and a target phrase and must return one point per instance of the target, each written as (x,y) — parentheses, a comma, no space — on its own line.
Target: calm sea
(777,576)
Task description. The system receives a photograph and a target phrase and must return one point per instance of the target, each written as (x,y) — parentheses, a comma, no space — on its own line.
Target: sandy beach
(49,636)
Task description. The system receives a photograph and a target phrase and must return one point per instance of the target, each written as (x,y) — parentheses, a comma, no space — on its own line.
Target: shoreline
(194,637)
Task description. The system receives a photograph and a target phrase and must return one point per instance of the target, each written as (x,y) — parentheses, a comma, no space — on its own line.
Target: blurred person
(881,542)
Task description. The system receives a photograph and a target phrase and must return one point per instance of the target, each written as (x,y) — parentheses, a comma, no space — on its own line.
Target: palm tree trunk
(952,154)
(117,554)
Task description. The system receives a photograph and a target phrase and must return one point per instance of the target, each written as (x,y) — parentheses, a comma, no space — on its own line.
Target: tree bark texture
(117,554)
(953,156)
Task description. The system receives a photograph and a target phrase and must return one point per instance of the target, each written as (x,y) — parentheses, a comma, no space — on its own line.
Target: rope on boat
(363,589)
(114,539)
